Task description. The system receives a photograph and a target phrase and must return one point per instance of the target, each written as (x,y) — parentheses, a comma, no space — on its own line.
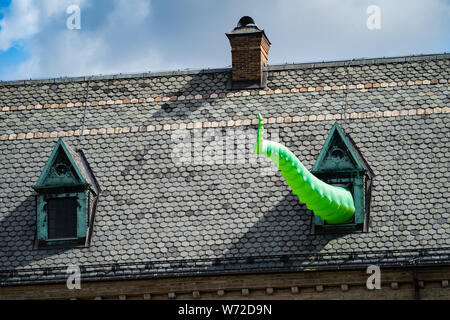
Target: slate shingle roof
(154,209)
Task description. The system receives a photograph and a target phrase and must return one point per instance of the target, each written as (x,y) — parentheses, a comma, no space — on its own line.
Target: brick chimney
(249,54)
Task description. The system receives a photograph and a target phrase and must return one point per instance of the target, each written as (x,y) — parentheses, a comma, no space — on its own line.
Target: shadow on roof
(283,231)
(196,86)
(19,239)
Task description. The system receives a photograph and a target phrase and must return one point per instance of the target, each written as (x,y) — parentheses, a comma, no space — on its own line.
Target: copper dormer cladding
(66,200)
(249,55)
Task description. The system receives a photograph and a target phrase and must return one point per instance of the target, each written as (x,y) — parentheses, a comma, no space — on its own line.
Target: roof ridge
(277,67)
(360,61)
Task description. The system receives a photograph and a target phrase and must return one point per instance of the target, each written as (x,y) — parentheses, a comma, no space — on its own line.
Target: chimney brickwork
(249,54)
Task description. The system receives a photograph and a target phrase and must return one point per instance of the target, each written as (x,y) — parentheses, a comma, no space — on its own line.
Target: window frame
(356,181)
(42,218)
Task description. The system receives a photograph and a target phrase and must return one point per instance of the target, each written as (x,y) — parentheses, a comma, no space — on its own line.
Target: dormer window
(67,194)
(341,164)
(334,191)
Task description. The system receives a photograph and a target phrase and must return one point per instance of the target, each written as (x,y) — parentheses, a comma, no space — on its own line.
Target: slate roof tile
(152,209)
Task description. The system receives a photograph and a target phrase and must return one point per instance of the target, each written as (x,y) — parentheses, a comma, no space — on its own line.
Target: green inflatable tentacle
(333,204)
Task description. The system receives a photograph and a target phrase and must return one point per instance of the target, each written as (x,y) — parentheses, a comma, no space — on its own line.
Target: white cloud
(27,18)
(23,22)
(120,36)
(133,12)
(115,42)
(331,29)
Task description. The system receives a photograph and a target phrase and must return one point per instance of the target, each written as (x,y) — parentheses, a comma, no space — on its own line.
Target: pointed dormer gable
(64,168)
(341,163)
(67,195)
(339,154)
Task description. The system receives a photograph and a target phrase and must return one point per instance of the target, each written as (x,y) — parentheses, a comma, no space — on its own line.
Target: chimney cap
(246,25)
(246,21)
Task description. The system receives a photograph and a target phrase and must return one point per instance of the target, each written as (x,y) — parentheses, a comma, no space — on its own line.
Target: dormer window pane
(62,218)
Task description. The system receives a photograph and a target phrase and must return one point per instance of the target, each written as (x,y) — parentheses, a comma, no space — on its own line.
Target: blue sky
(121,36)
